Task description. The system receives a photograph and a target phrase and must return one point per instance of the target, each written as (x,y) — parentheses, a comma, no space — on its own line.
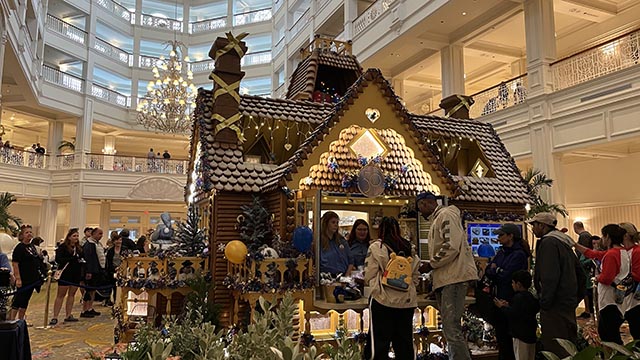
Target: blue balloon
(302,238)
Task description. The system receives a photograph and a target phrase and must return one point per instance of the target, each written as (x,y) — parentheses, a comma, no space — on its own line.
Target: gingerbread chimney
(227,52)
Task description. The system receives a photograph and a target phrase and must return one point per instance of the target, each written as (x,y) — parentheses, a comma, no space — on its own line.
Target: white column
(105,214)
(230,13)
(545,161)
(3,41)
(452,66)
(541,45)
(350,15)
(48,223)
(83,135)
(53,141)
(78,207)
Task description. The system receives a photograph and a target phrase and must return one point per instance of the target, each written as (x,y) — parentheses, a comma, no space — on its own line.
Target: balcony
(66,30)
(256,58)
(147,61)
(208,25)
(118,10)
(499,97)
(612,56)
(65,161)
(60,78)
(110,96)
(113,52)
(369,16)
(299,24)
(120,163)
(198,67)
(161,23)
(252,17)
(18,157)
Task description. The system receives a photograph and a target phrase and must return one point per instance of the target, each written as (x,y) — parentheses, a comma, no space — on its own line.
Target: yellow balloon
(235,251)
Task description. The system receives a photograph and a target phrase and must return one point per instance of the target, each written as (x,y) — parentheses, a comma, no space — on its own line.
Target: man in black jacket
(556,282)
(127,243)
(95,263)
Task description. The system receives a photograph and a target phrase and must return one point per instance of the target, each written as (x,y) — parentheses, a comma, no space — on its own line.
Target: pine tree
(191,239)
(256,227)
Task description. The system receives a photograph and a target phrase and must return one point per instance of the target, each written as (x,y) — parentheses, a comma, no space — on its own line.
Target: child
(521,315)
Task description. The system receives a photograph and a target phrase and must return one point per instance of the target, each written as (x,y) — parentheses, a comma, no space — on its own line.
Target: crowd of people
(81,261)
(561,279)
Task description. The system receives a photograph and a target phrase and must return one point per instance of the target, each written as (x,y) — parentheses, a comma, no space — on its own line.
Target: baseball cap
(546,218)
(509,229)
(426,195)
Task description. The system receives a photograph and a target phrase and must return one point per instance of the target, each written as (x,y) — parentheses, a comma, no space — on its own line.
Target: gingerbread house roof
(303,80)
(506,187)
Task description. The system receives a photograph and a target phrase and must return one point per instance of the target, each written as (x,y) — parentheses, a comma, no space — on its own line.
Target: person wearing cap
(451,259)
(511,257)
(558,279)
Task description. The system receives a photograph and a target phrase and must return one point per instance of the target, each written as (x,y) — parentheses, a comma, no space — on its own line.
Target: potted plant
(9,224)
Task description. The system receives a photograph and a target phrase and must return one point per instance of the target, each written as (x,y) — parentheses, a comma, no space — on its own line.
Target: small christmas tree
(191,239)
(256,226)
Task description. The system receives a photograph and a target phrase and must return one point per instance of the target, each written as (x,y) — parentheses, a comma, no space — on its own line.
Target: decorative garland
(492,216)
(272,285)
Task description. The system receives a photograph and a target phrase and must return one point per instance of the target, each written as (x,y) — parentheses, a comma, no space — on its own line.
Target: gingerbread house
(341,140)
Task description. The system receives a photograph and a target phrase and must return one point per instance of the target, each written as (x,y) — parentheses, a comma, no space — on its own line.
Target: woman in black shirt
(26,268)
(68,256)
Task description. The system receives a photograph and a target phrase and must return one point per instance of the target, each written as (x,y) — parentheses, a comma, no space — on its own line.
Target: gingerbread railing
(139,267)
(285,270)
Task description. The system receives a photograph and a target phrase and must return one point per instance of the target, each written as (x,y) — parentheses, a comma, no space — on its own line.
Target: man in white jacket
(453,265)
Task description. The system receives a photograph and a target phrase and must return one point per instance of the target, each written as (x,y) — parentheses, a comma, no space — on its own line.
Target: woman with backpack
(391,270)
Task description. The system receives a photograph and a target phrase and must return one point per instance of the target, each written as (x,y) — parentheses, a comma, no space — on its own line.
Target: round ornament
(235,251)
(371,181)
(269,253)
(302,238)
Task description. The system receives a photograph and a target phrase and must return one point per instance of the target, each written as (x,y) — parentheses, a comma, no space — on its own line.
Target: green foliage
(160,350)
(198,300)
(537,181)
(608,351)
(346,349)
(8,222)
(191,238)
(210,344)
(293,351)
(256,227)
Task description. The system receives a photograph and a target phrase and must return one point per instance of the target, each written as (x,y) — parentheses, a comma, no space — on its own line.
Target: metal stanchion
(46,309)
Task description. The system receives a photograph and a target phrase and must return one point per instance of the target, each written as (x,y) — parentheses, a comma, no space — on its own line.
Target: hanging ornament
(288,146)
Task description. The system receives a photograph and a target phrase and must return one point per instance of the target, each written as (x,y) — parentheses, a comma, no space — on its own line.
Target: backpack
(397,273)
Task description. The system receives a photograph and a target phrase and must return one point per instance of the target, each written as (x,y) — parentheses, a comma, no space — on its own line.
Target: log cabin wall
(275,203)
(223,219)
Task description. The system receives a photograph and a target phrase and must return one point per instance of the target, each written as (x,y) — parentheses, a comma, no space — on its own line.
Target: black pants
(503,337)
(609,324)
(589,295)
(633,318)
(389,326)
(558,323)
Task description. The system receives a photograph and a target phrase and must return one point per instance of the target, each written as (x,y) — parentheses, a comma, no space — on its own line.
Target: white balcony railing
(65,161)
(208,25)
(113,52)
(118,10)
(65,29)
(110,96)
(277,49)
(197,67)
(615,55)
(256,58)
(161,23)
(370,15)
(299,24)
(148,61)
(57,77)
(136,164)
(19,157)
(499,97)
(252,17)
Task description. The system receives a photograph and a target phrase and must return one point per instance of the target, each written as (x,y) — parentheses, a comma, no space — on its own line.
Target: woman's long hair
(67,241)
(615,234)
(352,235)
(325,237)
(389,233)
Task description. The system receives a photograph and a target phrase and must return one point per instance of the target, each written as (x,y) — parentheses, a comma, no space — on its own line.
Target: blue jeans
(450,300)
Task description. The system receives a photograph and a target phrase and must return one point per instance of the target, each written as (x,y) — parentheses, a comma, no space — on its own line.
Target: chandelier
(170,98)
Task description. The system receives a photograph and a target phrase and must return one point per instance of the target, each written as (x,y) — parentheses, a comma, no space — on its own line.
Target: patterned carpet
(71,340)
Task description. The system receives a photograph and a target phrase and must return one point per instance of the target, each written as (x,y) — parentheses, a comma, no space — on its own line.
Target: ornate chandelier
(170,98)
